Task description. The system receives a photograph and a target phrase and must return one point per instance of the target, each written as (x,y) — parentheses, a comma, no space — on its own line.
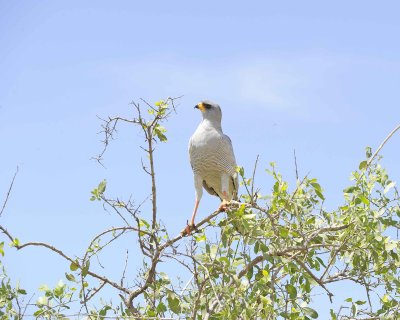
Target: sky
(315,77)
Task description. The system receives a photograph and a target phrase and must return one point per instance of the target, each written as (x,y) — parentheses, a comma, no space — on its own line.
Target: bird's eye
(207,106)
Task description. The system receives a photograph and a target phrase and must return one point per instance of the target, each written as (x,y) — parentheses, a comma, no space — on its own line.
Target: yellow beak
(200,106)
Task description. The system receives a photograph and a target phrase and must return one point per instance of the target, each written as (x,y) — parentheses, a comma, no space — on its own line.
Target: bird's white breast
(209,153)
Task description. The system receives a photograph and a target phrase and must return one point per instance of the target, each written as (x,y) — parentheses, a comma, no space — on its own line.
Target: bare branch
(126,265)
(9,192)
(62,254)
(382,144)
(295,164)
(312,275)
(94,292)
(253,196)
(156,258)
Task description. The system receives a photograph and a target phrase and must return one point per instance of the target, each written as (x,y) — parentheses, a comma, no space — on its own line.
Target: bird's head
(210,110)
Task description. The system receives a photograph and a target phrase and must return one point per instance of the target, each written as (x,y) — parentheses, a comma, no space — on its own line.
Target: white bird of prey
(212,159)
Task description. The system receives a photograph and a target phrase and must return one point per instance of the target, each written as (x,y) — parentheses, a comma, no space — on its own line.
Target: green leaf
(265,300)
(15,242)
(70,277)
(38,313)
(44,288)
(74,266)
(2,248)
(389,186)
(85,269)
(283,232)
(363,165)
(310,312)
(249,274)
(368,152)
(385,298)
(249,216)
(159,103)
(102,186)
(42,301)
(173,304)
(291,289)
(59,289)
(159,132)
(200,238)
(151,313)
(256,247)
(320,261)
(240,170)
(350,189)
(98,192)
(390,245)
(21,291)
(213,251)
(363,199)
(103,312)
(316,185)
(319,194)
(143,222)
(161,308)
(354,310)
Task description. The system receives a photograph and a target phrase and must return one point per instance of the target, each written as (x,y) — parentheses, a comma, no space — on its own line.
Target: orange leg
(188,229)
(196,205)
(224,204)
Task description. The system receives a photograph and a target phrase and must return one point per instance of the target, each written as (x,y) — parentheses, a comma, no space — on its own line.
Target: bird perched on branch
(212,159)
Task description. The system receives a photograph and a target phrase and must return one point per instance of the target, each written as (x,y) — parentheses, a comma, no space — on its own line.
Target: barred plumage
(212,158)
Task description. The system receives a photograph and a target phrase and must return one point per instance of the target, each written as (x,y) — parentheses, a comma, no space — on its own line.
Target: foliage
(11,298)
(264,258)
(54,302)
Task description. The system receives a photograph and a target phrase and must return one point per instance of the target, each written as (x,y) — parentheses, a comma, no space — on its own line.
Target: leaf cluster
(265,257)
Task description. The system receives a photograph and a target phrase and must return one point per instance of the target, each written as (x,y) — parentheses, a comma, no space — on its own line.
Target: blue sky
(320,78)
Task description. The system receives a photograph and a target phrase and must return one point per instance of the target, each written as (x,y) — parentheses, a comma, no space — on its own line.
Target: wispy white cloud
(305,86)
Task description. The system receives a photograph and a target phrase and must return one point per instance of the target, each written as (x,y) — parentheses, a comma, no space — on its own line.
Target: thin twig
(253,196)
(382,144)
(62,254)
(295,164)
(157,253)
(94,292)
(126,265)
(9,192)
(321,283)
(212,283)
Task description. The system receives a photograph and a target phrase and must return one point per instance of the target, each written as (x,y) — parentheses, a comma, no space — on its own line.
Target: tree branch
(62,254)
(9,192)
(316,279)
(382,144)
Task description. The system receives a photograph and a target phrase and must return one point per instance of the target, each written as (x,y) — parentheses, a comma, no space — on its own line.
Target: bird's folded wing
(227,148)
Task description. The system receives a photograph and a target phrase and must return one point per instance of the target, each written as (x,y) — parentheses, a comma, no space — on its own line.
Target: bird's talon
(188,229)
(223,206)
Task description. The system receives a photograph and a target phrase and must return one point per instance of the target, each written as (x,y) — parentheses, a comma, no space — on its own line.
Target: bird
(212,159)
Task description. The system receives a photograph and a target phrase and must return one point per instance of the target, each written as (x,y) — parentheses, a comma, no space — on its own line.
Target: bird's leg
(224,204)
(196,205)
(199,192)
(190,226)
(225,188)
